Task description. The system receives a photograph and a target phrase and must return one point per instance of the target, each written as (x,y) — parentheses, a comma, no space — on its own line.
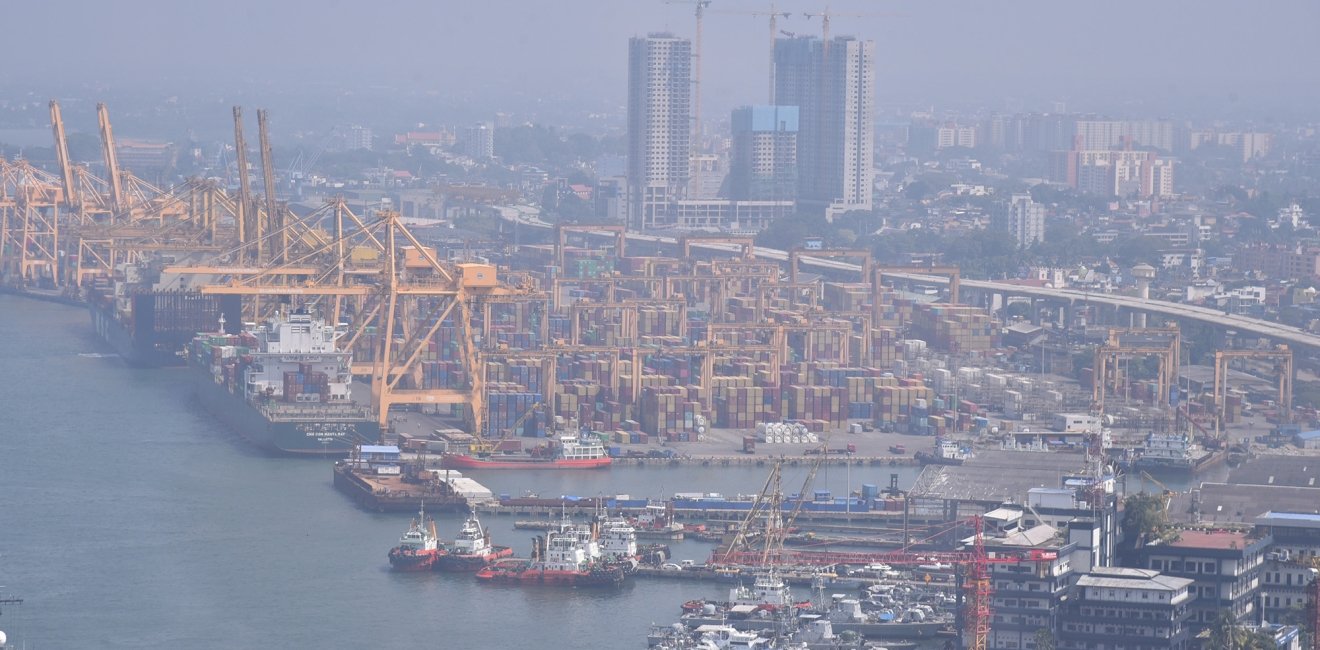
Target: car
(670,566)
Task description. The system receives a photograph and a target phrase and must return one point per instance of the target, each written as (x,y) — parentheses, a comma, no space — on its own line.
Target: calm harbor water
(128,519)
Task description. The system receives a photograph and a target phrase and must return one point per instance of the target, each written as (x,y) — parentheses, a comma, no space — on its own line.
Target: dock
(392,493)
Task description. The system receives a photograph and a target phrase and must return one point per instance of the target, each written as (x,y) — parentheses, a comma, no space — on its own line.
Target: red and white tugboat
(569,557)
(471,550)
(419,549)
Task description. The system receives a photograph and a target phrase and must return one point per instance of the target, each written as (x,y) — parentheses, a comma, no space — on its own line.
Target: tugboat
(419,549)
(569,557)
(471,550)
(946,453)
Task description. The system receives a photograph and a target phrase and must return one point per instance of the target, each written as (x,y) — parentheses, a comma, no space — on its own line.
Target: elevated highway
(1292,336)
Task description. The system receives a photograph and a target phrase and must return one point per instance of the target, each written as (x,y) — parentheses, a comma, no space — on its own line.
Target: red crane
(974,563)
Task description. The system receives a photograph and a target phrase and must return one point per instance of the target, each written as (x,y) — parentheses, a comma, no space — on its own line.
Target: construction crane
(975,564)
(696,69)
(774,14)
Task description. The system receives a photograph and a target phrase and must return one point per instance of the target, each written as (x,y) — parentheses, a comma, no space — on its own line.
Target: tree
(1044,639)
(1226,633)
(1143,518)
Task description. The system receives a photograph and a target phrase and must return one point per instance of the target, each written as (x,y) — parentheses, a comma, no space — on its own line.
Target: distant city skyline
(1214,58)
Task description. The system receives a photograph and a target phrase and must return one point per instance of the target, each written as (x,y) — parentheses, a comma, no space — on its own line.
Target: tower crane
(774,14)
(696,70)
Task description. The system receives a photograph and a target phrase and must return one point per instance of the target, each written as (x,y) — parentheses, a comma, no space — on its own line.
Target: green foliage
(1044,639)
(1225,633)
(1144,518)
(533,144)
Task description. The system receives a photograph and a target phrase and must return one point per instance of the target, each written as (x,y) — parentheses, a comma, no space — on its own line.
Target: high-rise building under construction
(659,127)
(834,89)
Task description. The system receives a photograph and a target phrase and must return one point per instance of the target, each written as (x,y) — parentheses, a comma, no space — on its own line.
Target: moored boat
(472,549)
(570,452)
(569,557)
(419,549)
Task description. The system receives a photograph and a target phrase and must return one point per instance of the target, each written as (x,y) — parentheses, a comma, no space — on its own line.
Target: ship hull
(604,577)
(163,324)
(456,563)
(414,562)
(134,351)
(458,461)
(331,436)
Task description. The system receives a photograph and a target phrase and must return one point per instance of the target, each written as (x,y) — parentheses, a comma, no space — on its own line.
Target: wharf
(876,518)
(44,295)
(393,494)
(765,460)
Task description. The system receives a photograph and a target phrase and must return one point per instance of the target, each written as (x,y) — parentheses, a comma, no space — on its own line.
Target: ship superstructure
(284,385)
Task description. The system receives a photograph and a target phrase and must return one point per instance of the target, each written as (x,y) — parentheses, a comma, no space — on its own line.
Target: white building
(659,127)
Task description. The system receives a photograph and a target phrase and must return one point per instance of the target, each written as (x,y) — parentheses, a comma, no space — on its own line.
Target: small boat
(472,549)
(419,549)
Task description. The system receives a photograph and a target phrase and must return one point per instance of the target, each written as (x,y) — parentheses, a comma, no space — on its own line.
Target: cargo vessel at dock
(283,386)
(149,317)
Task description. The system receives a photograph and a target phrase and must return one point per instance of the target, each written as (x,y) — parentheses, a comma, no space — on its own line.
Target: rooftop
(1289,519)
(1221,540)
(1221,503)
(1294,471)
(1156,582)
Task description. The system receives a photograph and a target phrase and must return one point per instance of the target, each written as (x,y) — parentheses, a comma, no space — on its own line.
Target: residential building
(659,127)
(356,136)
(1225,567)
(479,141)
(834,89)
(1250,145)
(1126,609)
(1027,596)
(1116,172)
(1111,134)
(763,164)
(1024,220)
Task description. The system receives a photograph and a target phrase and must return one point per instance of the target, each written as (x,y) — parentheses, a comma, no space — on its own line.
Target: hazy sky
(1138,56)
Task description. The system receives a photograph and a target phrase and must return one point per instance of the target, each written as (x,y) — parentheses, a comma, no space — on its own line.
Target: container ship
(569,452)
(472,550)
(151,328)
(419,549)
(569,557)
(284,386)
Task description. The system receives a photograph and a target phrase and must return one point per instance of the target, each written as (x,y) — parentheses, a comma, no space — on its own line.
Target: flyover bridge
(1279,333)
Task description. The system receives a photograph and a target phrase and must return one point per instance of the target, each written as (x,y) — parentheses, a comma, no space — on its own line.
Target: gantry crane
(408,312)
(1283,368)
(828,253)
(952,272)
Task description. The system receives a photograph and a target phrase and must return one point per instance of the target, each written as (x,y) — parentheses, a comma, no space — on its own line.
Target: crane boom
(268,180)
(62,155)
(111,158)
(244,187)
